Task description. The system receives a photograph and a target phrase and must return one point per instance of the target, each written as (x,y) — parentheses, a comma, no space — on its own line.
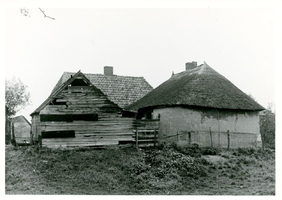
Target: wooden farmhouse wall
(81,115)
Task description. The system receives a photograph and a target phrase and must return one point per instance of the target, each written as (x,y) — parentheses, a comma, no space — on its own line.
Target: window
(68,118)
(58,134)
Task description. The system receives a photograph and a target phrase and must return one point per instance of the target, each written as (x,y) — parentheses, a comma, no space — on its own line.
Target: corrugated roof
(121,90)
(201,86)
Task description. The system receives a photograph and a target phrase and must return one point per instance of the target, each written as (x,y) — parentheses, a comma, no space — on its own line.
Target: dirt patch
(215,159)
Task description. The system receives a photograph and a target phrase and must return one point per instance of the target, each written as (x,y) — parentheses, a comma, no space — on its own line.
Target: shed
(86,110)
(200,105)
(21,129)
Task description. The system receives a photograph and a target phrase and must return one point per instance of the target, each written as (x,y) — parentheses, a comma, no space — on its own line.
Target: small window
(58,134)
(68,118)
(58,102)
(149,114)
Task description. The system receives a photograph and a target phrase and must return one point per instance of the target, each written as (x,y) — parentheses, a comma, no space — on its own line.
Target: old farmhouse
(201,106)
(86,110)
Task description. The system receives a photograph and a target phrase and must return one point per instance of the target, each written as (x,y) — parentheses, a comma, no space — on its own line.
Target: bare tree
(45,14)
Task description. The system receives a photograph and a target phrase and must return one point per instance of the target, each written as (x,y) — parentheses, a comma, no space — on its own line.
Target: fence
(215,139)
(146,133)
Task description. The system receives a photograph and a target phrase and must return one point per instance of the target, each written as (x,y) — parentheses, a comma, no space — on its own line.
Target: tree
(16,98)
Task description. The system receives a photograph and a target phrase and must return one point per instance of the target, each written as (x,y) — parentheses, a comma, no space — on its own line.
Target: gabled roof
(122,90)
(200,86)
(59,88)
(17,118)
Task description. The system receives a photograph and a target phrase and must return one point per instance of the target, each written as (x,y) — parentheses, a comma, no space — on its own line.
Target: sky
(238,40)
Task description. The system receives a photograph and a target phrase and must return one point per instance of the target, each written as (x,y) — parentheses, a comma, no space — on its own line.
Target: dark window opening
(56,102)
(79,82)
(69,118)
(148,114)
(76,92)
(58,134)
(128,114)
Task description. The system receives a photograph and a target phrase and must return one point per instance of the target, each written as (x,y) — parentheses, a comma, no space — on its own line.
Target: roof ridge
(106,75)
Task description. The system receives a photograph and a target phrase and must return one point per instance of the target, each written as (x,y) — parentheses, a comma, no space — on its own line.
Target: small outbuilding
(201,106)
(86,110)
(21,129)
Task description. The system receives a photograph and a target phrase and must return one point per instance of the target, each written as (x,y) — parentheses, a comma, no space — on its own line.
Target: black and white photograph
(129,98)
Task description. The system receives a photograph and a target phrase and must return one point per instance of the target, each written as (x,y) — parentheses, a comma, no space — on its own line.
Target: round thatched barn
(201,106)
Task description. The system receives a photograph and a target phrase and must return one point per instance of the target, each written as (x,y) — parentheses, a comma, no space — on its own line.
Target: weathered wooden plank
(144,131)
(145,140)
(65,110)
(108,126)
(91,123)
(108,130)
(125,131)
(102,134)
(82,140)
(91,105)
(145,136)
(92,144)
(89,102)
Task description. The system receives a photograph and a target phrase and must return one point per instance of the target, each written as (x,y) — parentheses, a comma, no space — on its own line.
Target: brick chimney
(191,65)
(108,71)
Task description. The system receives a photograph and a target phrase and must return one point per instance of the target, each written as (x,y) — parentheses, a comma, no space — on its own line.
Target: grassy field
(168,170)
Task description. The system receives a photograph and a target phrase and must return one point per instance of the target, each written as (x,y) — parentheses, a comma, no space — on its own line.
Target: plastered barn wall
(243,126)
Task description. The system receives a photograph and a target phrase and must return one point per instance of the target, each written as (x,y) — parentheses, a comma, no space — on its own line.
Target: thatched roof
(201,86)
(121,90)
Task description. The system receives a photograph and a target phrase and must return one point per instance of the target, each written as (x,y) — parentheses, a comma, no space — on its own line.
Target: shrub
(267,130)
(210,151)
(246,151)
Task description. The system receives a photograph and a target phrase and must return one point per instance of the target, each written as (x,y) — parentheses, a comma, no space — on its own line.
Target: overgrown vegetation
(170,169)
(267,129)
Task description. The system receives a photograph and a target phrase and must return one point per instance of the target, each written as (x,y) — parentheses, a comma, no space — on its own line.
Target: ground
(168,170)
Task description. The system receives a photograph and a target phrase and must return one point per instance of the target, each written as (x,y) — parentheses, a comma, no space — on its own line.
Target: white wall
(176,119)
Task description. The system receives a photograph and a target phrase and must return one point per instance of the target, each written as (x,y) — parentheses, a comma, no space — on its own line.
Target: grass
(172,169)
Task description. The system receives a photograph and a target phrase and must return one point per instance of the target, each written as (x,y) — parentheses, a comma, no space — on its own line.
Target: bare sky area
(237,40)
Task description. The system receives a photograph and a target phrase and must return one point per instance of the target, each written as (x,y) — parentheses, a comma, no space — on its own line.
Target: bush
(210,151)
(267,130)
(246,151)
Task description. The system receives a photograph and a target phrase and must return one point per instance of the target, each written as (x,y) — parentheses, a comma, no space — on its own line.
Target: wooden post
(228,139)
(211,137)
(177,136)
(31,138)
(40,140)
(155,137)
(189,138)
(136,137)
(218,139)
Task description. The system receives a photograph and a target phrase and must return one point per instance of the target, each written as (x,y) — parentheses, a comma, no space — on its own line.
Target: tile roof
(121,90)
(200,86)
